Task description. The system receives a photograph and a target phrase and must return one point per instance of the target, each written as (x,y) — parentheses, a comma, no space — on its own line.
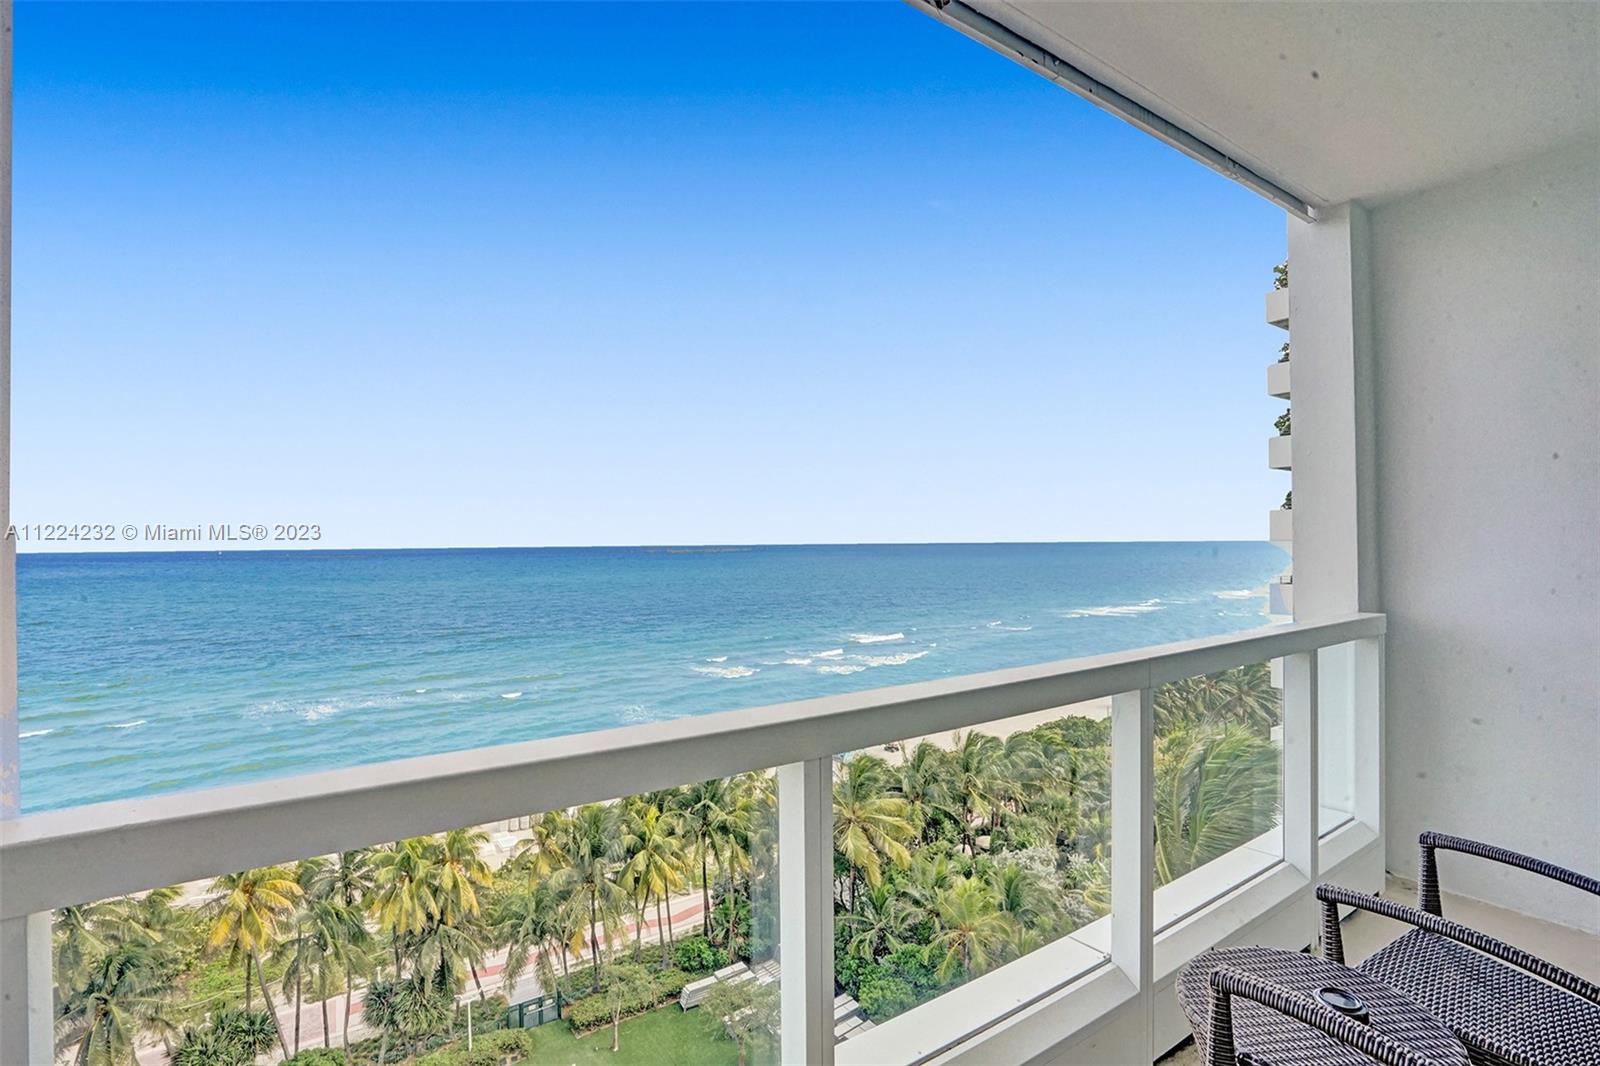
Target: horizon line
(707,546)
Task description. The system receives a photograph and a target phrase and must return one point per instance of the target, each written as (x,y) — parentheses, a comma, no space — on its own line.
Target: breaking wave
(724,671)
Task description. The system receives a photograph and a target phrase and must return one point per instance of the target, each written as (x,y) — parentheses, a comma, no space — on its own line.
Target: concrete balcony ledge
(1278,308)
(1278,380)
(1280,524)
(1280,453)
(1280,598)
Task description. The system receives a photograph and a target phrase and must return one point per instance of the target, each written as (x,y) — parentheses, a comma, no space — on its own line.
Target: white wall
(1486,339)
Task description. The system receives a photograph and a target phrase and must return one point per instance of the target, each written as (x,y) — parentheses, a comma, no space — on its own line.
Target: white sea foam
(128,725)
(420,691)
(717,659)
(1008,629)
(510,695)
(1117,610)
(840,668)
(799,662)
(875,638)
(832,653)
(318,711)
(724,671)
(1240,594)
(34,733)
(889,660)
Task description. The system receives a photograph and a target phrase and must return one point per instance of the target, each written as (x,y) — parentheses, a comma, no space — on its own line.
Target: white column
(1330,323)
(805,910)
(1301,793)
(1133,849)
(26,1003)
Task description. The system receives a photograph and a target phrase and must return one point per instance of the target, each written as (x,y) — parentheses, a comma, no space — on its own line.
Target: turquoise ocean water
(156,672)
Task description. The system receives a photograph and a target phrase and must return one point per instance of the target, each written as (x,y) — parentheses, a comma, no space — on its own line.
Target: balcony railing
(1110,970)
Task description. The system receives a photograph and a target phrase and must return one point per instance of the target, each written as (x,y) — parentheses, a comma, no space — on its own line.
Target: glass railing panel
(647,923)
(957,854)
(1336,718)
(1218,782)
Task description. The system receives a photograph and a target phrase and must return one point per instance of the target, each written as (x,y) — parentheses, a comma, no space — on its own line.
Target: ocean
(144,673)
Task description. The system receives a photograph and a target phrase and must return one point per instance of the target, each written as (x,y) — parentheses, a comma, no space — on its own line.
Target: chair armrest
(1428,867)
(1227,983)
(1332,896)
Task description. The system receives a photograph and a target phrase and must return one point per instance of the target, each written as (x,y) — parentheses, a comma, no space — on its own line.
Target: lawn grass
(666,1036)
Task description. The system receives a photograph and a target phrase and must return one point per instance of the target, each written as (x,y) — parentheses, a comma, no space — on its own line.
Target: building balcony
(1278,308)
(1278,379)
(1280,527)
(1280,454)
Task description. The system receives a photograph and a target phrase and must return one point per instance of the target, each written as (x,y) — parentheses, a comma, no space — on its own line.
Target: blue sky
(616,274)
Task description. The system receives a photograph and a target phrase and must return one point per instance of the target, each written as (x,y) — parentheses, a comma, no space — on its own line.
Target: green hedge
(487,1050)
(317,1056)
(591,1012)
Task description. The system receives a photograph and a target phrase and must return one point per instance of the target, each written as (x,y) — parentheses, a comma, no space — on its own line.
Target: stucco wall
(1486,333)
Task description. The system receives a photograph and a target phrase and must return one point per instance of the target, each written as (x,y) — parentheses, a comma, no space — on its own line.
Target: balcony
(1280,454)
(1278,308)
(1278,379)
(1280,527)
(1105,972)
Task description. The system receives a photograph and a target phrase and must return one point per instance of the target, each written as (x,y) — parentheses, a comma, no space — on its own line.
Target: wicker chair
(1283,1008)
(1510,1008)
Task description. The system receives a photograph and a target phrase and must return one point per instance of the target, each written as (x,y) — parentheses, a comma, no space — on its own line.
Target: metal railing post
(805,911)
(1133,849)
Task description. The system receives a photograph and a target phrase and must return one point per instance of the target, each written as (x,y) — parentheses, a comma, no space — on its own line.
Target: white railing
(58,858)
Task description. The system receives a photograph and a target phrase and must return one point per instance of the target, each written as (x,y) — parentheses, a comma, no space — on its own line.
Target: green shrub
(317,1056)
(697,955)
(910,965)
(591,1012)
(883,996)
(489,1049)
(670,982)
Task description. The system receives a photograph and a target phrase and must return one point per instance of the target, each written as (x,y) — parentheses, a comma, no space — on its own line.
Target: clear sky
(616,274)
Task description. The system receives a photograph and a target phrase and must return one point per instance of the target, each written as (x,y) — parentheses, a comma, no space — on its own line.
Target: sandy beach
(1096,709)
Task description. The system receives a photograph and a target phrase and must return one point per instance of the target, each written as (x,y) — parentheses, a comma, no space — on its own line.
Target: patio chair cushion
(1504,1016)
(1273,1039)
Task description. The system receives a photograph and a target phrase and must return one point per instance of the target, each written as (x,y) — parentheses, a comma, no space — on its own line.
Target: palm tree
(976,773)
(924,781)
(881,924)
(527,918)
(595,849)
(405,897)
(545,851)
(126,990)
(347,883)
(971,929)
(870,826)
(1021,893)
(1215,788)
(655,866)
(1242,694)
(462,872)
(247,919)
(706,811)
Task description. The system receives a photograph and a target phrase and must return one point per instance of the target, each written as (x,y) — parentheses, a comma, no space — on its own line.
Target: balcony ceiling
(1342,101)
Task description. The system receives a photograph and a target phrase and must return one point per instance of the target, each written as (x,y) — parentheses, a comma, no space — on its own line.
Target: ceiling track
(1009,43)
